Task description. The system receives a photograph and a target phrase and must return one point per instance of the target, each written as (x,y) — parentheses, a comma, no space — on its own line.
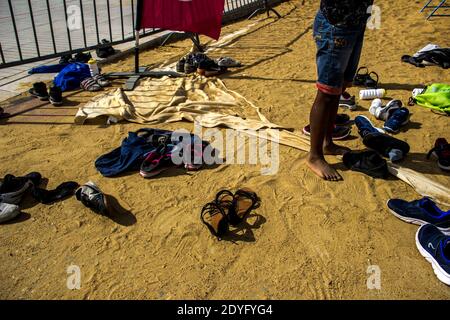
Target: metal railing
(36,30)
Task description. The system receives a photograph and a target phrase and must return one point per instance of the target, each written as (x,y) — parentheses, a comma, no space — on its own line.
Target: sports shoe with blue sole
(420,212)
(435,247)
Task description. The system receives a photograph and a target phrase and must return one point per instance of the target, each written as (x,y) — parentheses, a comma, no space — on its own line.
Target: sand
(310,239)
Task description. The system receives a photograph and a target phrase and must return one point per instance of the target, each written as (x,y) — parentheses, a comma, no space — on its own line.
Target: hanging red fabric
(197,16)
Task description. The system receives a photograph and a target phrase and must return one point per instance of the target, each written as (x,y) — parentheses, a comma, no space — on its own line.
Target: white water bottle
(93,67)
(372,94)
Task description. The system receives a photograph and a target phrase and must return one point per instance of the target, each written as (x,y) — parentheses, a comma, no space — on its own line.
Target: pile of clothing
(379,143)
(430,55)
(153,151)
(13,189)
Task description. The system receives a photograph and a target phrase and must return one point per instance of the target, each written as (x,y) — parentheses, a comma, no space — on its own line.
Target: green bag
(435,96)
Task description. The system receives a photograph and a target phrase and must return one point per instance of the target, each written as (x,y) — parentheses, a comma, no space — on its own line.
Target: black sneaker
(105,52)
(441,151)
(82,57)
(65,59)
(55,96)
(39,90)
(92,197)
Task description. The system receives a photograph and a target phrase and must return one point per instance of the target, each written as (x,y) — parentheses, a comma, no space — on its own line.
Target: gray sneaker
(8,211)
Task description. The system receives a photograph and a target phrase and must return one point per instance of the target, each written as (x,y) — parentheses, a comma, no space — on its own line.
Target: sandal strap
(212,209)
(250,195)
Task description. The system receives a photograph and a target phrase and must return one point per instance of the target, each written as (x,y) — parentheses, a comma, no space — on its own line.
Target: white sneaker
(8,212)
(384,113)
(376,105)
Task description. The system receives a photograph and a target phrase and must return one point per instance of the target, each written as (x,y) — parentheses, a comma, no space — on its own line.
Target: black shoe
(105,52)
(92,197)
(64,190)
(368,162)
(82,57)
(55,96)
(65,59)
(180,65)
(39,90)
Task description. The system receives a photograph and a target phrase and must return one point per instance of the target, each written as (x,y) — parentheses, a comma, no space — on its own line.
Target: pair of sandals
(228,209)
(95,83)
(364,78)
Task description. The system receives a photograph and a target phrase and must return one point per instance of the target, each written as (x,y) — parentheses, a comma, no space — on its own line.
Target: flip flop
(101,80)
(214,217)
(89,84)
(339,132)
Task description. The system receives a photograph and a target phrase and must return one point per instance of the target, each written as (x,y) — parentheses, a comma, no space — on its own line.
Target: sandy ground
(309,240)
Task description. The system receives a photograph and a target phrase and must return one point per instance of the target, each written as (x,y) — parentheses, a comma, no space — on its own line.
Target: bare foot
(321,168)
(333,149)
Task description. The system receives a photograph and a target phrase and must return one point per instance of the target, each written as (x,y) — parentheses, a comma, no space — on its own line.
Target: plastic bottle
(93,67)
(372,94)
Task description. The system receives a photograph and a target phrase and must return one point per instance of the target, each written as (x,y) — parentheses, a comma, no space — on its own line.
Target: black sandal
(238,205)
(364,79)
(218,222)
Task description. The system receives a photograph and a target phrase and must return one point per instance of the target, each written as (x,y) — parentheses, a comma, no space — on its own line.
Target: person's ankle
(315,157)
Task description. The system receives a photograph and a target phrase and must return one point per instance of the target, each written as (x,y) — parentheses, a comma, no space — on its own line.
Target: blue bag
(71,76)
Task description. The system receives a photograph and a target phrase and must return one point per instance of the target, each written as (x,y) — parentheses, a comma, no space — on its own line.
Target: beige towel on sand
(208,102)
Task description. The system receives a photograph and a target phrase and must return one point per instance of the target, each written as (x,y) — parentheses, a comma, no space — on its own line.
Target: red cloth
(198,16)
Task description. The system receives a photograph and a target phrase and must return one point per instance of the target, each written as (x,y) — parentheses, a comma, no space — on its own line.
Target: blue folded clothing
(71,76)
(130,155)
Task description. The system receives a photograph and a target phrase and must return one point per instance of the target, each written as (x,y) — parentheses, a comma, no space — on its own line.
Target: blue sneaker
(435,247)
(398,119)
(420,212)
(365,126)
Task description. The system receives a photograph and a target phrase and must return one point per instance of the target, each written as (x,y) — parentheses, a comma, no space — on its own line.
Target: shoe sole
(351,107)
(55,103)
(396,131)
(438,271)
(417,221)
